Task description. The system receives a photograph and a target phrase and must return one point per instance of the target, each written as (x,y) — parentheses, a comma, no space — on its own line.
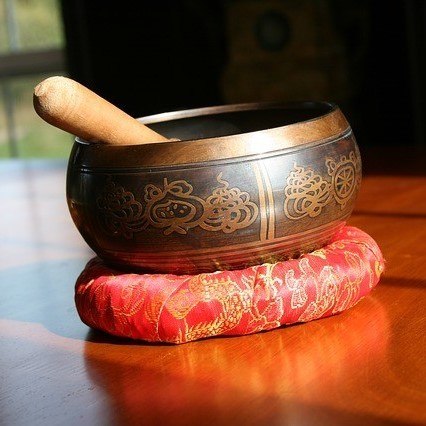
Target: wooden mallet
(72,107)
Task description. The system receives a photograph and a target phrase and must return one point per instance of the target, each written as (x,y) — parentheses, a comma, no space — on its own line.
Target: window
(31,49)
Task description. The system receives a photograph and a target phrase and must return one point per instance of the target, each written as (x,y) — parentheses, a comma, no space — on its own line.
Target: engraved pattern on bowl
(195,216)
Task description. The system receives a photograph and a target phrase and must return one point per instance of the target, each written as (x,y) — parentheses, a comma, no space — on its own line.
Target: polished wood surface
(364,366)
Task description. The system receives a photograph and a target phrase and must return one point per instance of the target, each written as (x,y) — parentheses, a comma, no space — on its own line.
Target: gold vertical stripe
(271,224)
(262,201)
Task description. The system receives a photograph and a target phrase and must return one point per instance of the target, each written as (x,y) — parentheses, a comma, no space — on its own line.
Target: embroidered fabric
(183,308)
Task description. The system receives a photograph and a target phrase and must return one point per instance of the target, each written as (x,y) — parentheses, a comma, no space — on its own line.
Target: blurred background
(148,57)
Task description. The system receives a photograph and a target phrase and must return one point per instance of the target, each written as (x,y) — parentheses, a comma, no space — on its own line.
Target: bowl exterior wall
(218,215)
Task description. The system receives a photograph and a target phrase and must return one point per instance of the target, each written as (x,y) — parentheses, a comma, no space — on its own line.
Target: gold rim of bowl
(328,125)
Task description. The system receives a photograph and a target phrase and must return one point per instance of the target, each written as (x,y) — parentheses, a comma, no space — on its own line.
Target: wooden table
(364,366)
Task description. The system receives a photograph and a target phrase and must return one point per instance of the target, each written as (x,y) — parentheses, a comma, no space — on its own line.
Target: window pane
(30,25)
(36,138)
(27,25)
(4,40)
(4,137)
(39,23)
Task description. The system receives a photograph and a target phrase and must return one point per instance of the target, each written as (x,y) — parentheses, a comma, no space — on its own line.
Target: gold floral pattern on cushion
(179,309)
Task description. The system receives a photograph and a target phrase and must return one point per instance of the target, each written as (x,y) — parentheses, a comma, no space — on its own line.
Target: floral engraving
(174,208)
(121,214)
(307,193)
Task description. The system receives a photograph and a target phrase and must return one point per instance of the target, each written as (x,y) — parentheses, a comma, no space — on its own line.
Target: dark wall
(388,105)
(150,57)
(147,57)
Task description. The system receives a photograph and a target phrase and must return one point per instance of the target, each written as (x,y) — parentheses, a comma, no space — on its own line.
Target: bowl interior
(217,122)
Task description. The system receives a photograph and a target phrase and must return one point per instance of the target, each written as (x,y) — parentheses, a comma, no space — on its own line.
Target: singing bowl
(244,184)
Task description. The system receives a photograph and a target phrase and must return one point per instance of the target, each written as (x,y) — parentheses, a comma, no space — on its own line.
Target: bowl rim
(246,106)
(329,125)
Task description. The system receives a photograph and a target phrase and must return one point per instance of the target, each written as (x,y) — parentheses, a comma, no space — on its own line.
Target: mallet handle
(72,107)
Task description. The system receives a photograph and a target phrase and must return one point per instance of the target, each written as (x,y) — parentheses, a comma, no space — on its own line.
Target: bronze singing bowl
(245,184)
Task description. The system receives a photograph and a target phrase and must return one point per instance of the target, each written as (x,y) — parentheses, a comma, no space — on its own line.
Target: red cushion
(181,308)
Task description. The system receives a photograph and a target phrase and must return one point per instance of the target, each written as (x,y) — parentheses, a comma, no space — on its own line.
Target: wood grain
(364,366)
